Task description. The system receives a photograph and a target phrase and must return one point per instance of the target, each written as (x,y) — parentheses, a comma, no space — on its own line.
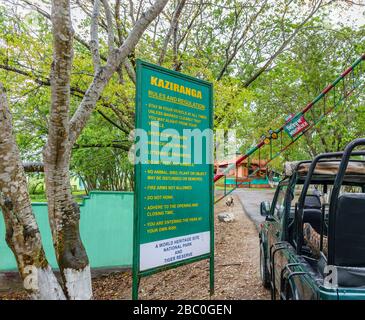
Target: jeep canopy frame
(348,152)
(343,159)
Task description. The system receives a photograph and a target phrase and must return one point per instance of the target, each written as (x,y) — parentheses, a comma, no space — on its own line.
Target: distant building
(249,173)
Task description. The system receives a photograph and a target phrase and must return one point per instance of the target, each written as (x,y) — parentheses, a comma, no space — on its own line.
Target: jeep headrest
(312,201)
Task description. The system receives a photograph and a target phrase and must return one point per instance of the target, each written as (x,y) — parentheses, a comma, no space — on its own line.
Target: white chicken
(229,202)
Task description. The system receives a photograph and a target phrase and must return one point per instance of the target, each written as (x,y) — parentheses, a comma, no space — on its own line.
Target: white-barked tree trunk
(23,234)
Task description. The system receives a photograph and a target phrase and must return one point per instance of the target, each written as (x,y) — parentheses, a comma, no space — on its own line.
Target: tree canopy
(265,62)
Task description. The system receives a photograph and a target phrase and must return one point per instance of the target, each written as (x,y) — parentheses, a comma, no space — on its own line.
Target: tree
(22,233)
(245,47)
(230,41)
(314,60)
(62,135)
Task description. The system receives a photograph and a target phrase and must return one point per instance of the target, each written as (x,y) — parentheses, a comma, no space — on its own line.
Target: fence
(106,228)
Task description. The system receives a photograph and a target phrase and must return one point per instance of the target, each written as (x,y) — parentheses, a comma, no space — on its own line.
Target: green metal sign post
(173,207)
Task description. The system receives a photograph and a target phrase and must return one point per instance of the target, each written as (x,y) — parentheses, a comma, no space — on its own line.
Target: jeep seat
(312,213)
(349,233)
(313,217)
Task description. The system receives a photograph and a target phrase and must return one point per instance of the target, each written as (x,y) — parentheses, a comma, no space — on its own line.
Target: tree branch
(102,145)
(83,112)
(283,46)
(172,29)
(45,82)
(127,64)
(109,20)
(33,166)
(94,37)
(238,44)
(125,130)
(41,81)
(77,92)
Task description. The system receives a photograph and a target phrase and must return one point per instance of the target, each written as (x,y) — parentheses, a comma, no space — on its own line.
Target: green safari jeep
(312,243)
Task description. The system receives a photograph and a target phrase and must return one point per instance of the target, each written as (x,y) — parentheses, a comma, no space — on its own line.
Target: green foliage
(100,165)
(316,58)
(320,52)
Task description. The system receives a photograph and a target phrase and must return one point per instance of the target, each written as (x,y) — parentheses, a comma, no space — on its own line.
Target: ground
(251,199)
(236,269)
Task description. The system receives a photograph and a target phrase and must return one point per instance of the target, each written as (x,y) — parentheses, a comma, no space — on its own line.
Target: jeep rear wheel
(289,293)
(264,273)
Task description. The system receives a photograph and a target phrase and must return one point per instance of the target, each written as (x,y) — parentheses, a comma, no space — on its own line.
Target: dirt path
(236,269)
(251,200)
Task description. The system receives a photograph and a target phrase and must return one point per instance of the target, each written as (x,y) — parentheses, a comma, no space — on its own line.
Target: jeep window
(280,202)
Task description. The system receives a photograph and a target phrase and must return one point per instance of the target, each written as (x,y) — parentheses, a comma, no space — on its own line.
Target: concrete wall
(106,228)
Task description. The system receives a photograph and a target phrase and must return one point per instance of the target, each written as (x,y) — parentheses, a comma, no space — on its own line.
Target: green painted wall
(106,228)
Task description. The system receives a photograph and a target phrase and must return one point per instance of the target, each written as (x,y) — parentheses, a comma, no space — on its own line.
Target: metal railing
(279,140)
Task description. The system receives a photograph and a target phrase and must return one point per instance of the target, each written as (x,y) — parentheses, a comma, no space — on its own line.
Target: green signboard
(173,171)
